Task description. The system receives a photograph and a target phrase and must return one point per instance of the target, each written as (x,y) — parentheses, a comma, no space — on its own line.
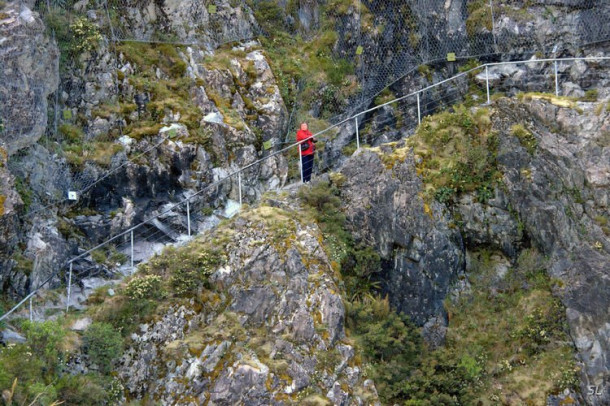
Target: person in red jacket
(308,149)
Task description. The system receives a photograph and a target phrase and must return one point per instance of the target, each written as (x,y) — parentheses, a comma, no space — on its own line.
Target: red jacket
(307,147)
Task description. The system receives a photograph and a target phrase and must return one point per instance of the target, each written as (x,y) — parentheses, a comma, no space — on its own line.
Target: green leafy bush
(87,36)
(103,344)
(19,362)
(44,340)
(186,269)
(389,341)
(444,378)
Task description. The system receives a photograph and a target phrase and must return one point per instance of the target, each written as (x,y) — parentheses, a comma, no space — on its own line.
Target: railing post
(31,312)
(487,84)
(132,248)
(357,133)
(188,217)
(301,161)
(556,80)
(69,288)
(418,110)
(239,185)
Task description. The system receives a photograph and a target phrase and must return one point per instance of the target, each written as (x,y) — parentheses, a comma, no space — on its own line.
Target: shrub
(444,194)
(443,378)
(86,35)
(192,273)
(542,325)
(458,151)
(125,314)
(390,343)
(88,389)
(145,287)
(44,339)
(103,344)
(186,269)
(18,362)
(71,133)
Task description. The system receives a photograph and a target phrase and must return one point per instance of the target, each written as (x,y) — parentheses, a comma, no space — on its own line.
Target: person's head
(304,126)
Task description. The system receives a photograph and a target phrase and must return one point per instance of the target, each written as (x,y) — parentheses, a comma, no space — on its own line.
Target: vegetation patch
(526,138)
(103,344)
(590,96)
(512,336)
(34,373)
(559,101)
(389,342)
(456,153)
(479,17)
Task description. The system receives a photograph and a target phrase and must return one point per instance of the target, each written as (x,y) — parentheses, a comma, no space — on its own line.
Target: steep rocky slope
(549,172)
(561,194)
(267,329)
(168,120)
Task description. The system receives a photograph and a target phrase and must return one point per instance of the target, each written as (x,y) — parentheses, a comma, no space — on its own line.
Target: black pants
(307,167)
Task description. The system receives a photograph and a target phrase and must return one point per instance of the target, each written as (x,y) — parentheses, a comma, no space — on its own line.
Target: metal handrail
(239,171)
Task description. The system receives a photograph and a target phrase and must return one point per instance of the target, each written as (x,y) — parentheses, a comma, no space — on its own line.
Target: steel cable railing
(417,100)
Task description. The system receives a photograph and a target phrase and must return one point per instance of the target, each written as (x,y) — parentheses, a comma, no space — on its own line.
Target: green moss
(385,96)
(425,71)
(68,230)
(590,96)
(26,194)
(479,17)
(98,152)
(71,133)
(526,138)
(23,264)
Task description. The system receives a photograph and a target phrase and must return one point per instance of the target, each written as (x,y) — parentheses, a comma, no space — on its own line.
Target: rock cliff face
(233,109)
(554,196)
(10,201)
(423,255)
(269,331)
(189,21)
(561,193)
(29,73)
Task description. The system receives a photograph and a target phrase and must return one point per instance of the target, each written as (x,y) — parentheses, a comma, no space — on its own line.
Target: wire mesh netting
(382,40)
(396,119)
(392,39)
